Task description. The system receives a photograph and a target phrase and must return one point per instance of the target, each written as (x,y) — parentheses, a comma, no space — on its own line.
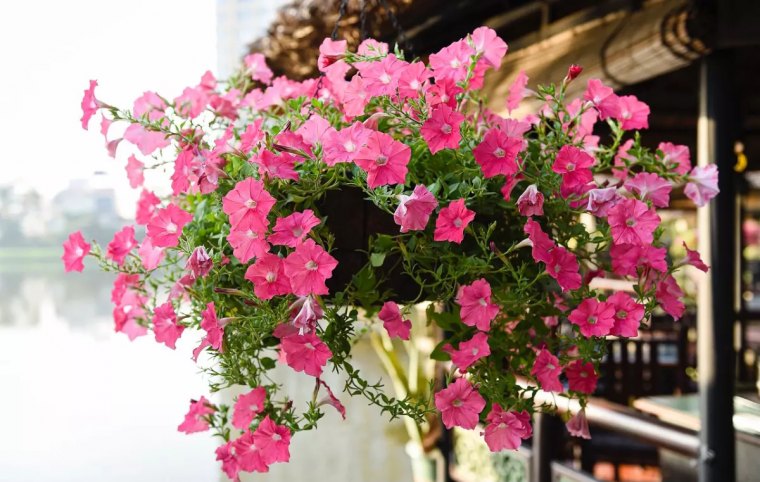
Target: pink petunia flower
(277,166)
(165,326)
(128,312)
(308,267)
(476,307)
(675,157)
(577,426)
(581,377)
(214,331)
(702,185)
(469,351)
(460,404)
(628,315)
(305,353)
(247,243)
(650,186)
(575,167)
(393,322)
(452,221)
(247,407)
(192,102)
(150,105)
(497,153)
(491,47)
(314,130)
(384,159)
(150,256)
(381,78)
(331,400)
(344,145)
(506,430)
(444,91)
(123,242)
(195,419)
(517,91)
(256,67)
(165,228)
(693,258)
(599,201)
(509,185)
(413,80)
(90,104)
(441,129)
(593,317)
(147,141)
(305,312)
(531,202)
(134,170)
(226,455)
(200,263)
(546,369)
(413,212)
(355,97)
(291,230)
(632,113)
(248,203)
(268,277)
(273,441)
(562,265)
(330,51)
(628,258)
(184,166)
(542,245)
(451,62)
(603,98)
(249,457)
(632,222)
(74,251)
(670,296)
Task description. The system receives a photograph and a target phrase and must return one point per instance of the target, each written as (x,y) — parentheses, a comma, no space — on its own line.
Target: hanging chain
(362,20)
(403,40)
(341,13)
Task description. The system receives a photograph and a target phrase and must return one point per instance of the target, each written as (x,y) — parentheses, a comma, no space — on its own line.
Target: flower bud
(573,72)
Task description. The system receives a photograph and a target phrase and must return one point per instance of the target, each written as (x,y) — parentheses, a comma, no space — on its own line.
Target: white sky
(49,49)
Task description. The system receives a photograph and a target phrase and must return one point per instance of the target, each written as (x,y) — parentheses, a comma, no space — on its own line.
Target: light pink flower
(413,212)
(247,407)
(305,312)
(344,145)
(469,351)
(546,369)
(675,157)
(593,317)
(441,129)
(273,441)
(381,78)
(372,48)
(308,267)
(225,454)
(601,200)
(128,312)
(165,228)
(134,170)
(506,430)
(497,153)
(394,324)
(491,47)
(702,185)
(195,419)
(332,400)
(146,140)
(603,98)
(247,243)
(305,353)
(384,159)
(165,325)
(278,166)
(256,66)
(581,377)
(123,242)
(632,113)
(452,61)
(632,222)
(650,186)
(413,80)
(268,277)
(248,455)
(74,251)
(248,203)
(355,97)
(192,102)
(562,265)
(214,331)
(330,51)
(531,202)
(90,104)
(146,206)
(150,256)
(476,307)
(577,426)
(460,404)
(291,230)
(200,263)
(517,91)
(184,166)
(628,315)
(670,296)
(452,221)
(150,105)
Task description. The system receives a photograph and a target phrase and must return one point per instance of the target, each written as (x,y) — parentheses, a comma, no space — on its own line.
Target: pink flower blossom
(452,61)
(268,277)
(247,243)
(146,206)
(593,317)
(632,113)
(129,313)
(601,200)
(184,165)
(344,145)
(308,267)
(670,296)
(135,172)
(546,369)
(330,51)
(381,78)
(509,185)
(441,129)
(200,263)
(191,103)
(146,140)
(314,130)
(372,48)
(460,404)
(214,331)
(491,47)
(305,312)
(628,315)
(225,454)
(575,167)
(256,66)
(506,430)
(195,419)
(90,104)
(150,256)
(413,212)
(165,325)
(603,98)
(123,242)
(469,351)
(632,222)
(150,105)
(305,353)
(247,407)
(581,377)
(74,251)
(702,185)
(384,159)
(562,265)
(497,153)
(577,426)
(444,91)
(650,186)
(394,324)
(273,441)
(452,221)
(542,243)
(355,97)
(165,228)
(413,80)
(628,258)
(278,166)
(476,307)
(675,157)
(531,202)
(249,457)
(332,400)
(248,203)
(291,230)
(693,258)
(517,91)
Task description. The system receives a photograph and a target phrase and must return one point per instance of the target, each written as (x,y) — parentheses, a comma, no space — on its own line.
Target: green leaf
(377,259)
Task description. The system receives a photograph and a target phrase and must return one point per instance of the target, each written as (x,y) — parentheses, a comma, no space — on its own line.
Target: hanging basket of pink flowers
(394,169)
